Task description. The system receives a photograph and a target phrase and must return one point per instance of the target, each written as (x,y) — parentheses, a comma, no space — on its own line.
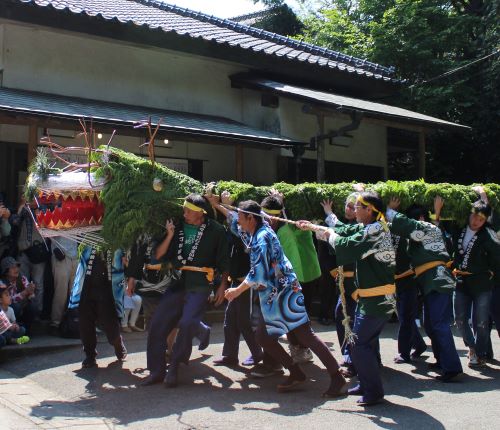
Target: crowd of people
(380,262)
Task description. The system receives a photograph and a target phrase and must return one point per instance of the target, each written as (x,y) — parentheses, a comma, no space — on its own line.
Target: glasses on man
(359,206)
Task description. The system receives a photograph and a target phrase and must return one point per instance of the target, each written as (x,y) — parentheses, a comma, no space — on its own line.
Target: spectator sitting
(33,252)
(21,291)
(5,228)
(11,332)
(132,304)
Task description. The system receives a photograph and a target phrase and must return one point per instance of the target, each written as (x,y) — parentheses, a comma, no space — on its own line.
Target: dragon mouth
(66,211)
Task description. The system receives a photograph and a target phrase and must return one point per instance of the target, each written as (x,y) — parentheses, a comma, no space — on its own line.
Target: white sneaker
(473,360)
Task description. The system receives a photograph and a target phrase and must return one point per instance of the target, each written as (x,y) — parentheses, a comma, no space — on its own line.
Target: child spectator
(21,291)
(10,331)
(132,304)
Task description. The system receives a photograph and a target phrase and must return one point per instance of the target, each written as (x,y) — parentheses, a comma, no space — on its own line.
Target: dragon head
(121,195)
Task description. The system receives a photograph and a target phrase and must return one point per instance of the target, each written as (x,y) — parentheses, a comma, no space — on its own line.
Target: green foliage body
(133,207)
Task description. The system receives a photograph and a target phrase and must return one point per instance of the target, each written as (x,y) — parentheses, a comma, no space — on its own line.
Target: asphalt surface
(48,389)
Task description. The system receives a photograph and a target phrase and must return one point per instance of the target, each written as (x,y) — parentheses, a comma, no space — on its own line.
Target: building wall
(78,65)
(52,61)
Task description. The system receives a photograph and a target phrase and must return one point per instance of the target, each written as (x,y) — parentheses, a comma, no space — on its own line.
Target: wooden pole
(320,151)
(239,162)
(421,155)
(32,142)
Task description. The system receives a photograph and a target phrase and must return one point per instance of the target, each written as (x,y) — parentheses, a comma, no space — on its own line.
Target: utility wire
(450,72)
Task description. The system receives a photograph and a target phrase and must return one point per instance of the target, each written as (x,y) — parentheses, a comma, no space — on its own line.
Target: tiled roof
(343,103)
(169,18)
(180,123)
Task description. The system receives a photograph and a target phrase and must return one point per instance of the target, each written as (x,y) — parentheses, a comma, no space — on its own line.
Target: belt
(335,273)
(208,270)
(382,290)
(430,265)
(405,274)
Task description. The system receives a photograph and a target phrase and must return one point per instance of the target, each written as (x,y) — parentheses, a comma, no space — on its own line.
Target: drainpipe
(319,140)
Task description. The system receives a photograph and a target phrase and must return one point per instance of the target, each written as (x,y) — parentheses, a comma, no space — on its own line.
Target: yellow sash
(335,272)
(382,290)
(427,266)
(457,272)
(208,270)
(405,274)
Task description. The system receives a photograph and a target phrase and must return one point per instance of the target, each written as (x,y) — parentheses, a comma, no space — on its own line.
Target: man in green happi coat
(429,259)
(367,244)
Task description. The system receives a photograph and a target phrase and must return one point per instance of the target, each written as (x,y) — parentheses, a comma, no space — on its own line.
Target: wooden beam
(238,152)
(32,142)
(421,155)
(332,113)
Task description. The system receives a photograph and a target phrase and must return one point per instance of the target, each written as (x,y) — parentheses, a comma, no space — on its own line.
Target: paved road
(49,390)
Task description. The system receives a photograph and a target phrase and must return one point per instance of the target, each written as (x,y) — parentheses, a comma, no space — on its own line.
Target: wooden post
(320,151)
(421,154)
(32,142)
(239,162)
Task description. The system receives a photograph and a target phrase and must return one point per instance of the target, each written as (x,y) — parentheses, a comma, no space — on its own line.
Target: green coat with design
(370,248)
(426,245)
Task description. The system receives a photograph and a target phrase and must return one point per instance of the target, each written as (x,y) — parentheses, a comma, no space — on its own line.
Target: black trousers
(102,312)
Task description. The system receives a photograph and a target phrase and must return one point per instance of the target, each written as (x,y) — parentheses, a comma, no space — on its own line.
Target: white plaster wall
(14,133)
(46,60)
(260,166)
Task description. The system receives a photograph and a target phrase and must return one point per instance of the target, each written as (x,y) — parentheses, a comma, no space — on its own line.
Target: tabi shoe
(337,388)
(146,382)
(399,359)
(355,391)
(251,361)
(369,402)
(89,362)
(417,353)
(204,339)
(135,328)
(171,378)
(300,355)
(126,329)
(225,361)
(265,371)
(120,350)
(294,380)
(449,376)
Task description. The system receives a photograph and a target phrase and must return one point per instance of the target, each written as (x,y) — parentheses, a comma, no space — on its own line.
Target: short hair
(481,207)
(252,208)
(272,202)
(197,200)
(416,212)
(374,199)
